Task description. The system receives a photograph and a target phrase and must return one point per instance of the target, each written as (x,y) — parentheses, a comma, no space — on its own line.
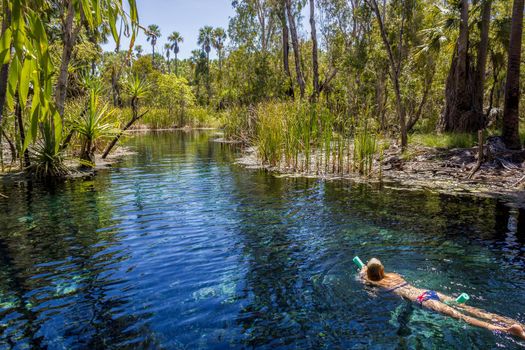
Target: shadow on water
(177,247)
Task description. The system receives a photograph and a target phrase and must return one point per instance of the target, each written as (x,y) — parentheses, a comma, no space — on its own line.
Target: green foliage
(173,95)
(447,140)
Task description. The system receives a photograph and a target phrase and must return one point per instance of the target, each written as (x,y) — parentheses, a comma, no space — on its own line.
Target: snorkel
(463,298)
(358,262)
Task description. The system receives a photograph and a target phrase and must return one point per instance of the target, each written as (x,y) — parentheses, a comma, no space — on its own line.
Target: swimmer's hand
(362,272)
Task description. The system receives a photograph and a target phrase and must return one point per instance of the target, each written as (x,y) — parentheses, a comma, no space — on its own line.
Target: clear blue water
(178,248)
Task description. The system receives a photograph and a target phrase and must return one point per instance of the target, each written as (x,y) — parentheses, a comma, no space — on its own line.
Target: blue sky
(184,16)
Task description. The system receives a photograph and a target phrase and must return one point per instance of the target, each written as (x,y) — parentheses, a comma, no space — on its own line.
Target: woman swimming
(374,273)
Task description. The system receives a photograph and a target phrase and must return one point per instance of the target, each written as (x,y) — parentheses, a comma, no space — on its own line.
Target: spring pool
(176,247)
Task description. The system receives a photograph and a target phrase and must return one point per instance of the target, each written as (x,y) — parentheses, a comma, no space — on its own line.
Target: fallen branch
(119,135)
(4,196)
(519,182)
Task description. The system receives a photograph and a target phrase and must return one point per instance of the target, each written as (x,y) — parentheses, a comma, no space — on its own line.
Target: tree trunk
(119,135)
(315,60)
(115,88)
(464,92)
(176,66)
(295,44)
(479,79)
(457,98)
(286,51)
(18,115)
(69,40)
(153,56)
(4,71)
(394,74)
(208,80)
(511,135)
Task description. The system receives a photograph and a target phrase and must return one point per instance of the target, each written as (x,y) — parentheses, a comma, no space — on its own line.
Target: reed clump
(365,148)
(307,138)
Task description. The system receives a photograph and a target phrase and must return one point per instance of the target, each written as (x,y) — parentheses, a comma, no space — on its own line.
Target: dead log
(119,135)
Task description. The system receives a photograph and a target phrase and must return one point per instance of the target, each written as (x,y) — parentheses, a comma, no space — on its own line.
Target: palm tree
(175,39)
(167,50)
(139,50)
(219,36)
(205,40)
(512,87)
(153,34)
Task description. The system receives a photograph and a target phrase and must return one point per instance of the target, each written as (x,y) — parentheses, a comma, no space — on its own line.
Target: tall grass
(365,148)
(309,138)
(160,118)
(270,132)
(447,140)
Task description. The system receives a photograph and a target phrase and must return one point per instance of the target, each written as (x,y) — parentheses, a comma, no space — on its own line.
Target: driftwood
(119,135)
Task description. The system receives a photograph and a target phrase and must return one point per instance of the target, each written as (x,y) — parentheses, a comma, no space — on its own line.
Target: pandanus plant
(93,125)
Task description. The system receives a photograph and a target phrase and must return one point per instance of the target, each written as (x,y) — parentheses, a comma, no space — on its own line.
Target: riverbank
(424,168)
(73,164)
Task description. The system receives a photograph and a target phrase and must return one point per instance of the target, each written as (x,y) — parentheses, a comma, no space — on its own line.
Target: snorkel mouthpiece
(358,262)
(463,298)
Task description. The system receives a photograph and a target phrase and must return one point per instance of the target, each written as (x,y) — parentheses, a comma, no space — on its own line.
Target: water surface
(178,248)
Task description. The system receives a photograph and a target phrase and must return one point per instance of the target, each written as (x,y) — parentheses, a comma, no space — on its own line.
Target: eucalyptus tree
(512,87)
(395,70)
(175,39)
(291,15)
(315,53)
(153,33)
(95,13)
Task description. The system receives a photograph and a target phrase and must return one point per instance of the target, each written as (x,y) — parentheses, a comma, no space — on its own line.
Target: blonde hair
(375,270)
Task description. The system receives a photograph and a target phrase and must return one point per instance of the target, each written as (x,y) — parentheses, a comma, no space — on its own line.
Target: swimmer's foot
(517,330)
